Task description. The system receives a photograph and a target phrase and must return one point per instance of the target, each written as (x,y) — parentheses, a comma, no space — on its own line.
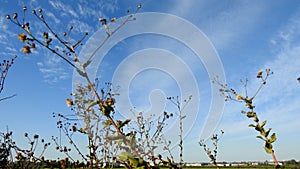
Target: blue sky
(247,35)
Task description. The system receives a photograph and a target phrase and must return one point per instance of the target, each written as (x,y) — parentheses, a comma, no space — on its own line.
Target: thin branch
(9,97)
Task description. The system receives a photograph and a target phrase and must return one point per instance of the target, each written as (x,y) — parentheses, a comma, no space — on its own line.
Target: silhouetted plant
(231,94)
(95,108)
(67,52)
(180,107)
(212,152)
(5,65)
(24,158)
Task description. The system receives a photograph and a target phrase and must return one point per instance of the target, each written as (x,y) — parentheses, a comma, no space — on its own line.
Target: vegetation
(231,94)
(111,141)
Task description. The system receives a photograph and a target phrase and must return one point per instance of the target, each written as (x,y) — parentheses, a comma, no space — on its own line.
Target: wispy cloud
(81,26)
(53,17)
(53,70)
(89,12)
(279,100)
(63,8)
(222,22)
(225,28)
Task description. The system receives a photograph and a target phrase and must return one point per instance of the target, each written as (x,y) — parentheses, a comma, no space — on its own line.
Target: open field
(241,167)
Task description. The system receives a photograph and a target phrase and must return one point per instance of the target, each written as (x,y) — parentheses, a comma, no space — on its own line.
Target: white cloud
(88,12)
(225,22)
(63,8)
(230,24)
(278,101)
(81,26)
(53,17)
(53,70)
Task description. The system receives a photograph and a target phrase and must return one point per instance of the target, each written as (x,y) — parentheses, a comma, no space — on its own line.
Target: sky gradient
(247,35)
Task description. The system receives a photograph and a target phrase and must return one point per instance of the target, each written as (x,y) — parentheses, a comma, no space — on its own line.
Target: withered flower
(239,97)
(15,16)
(26,49)
(22,37)
(46,35)
(33,46)
(69,102)
(113,20)
(259,74)
(74,128)
(103,21)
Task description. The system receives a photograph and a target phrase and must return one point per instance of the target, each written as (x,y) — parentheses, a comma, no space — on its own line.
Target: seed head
(33,46)
(26,49)
(69,102)
(24,8)
(259,74)
(15,16)
(7,16)
(103,21)
(239,97)
(113,20)
(46,35)
(22,37)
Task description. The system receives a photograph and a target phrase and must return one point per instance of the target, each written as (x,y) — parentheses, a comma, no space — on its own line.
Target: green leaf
(132,141)
(252,125)
(106,123)
(124,156)
(81,73)
(106,110)
(268,150)
(258,128)
(122,124)
(250,114)
(263,123)
(154,147)
(268,145)
(273,138)
(91,104)
(268,132)
(115,137)
(86,64)
(141,167)
(134,162)
(169,160)
(260,137)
